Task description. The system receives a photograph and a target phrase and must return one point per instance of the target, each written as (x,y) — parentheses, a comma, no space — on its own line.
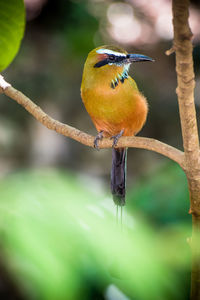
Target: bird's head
(110,61)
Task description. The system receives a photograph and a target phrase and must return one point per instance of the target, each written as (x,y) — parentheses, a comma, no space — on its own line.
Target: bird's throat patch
(120,78)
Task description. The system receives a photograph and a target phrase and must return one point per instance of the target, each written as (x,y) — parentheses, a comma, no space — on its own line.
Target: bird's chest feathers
(111,99)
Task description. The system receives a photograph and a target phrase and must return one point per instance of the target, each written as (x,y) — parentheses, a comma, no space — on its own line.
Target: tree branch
(185,88)
(88,140)
(185,92)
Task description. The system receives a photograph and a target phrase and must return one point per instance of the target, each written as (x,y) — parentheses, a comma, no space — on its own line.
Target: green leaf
(60,242)
(12,23)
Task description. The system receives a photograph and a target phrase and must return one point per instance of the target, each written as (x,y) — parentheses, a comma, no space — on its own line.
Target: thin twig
(170,51)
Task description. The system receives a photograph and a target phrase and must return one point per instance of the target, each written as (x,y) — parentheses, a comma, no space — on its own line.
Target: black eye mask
(112,59)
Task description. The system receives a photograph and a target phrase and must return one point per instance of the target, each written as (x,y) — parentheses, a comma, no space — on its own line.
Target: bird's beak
(138,57)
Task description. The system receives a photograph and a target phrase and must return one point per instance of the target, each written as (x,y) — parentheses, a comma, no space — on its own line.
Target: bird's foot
(98,138)
(116,137)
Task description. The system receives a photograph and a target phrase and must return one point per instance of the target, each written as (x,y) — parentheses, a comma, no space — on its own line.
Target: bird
(114,104)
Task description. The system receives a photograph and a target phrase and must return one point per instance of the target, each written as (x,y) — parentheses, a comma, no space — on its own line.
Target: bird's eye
(111,57)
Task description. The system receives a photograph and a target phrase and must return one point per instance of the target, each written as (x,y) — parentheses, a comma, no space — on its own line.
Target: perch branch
(88,140)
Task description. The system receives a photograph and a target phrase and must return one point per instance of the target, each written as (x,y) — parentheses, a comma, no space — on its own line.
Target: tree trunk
(194,186)
(185,92)
(195,274)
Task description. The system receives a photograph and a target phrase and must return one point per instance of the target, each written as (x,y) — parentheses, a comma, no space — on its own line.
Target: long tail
(118,175)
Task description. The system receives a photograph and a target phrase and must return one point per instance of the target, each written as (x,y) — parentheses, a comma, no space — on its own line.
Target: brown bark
(195,275)
(185,92)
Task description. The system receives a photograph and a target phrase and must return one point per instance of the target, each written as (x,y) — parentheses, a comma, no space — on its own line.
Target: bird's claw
(116,137)
(98,138)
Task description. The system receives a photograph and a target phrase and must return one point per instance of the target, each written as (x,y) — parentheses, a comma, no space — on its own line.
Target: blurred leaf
(60,242)
(162,196)
(12,23)
(80,36)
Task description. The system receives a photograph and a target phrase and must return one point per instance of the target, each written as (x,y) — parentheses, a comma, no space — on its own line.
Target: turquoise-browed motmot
(115,105)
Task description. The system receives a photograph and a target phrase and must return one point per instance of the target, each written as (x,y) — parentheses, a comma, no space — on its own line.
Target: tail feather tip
(118,200)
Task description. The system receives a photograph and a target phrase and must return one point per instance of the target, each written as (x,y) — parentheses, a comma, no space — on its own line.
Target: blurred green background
(59,236)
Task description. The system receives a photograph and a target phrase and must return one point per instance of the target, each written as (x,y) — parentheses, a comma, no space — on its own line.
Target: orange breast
(115,109)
